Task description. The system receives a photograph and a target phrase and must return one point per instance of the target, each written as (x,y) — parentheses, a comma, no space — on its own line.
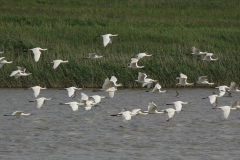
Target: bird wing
(126,116)
(226,111)
(1,64)
(234,104)
(40,102)
(111,94)
(183,76)
(106,40)
(170,113)
(37,54)
(202,78)
(113,80)
(71,91)
(92,55)
(36,90)
(21,69)
(233,86)
(84,98)
(14,73)
(56,63)
(135,112)
(141,76)
(96,98)
(74,106)
(178,106)
(141,55)
(106,84)
(213,100)
(17,113)
(152,107)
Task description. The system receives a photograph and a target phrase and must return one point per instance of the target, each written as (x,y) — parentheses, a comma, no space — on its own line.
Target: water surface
(56,132)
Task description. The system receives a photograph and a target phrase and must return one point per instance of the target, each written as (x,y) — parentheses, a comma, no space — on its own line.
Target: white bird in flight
(141,55)
(196,51)
(134,64)
(208,57)
(56,63)
(72,91)
(233,87)
(178,105)
(169,113)
(3,61)
(213,100)
(74,105)
(225,111)
(20,72)
(203,80)
(222,90)
(234,105)
(108,38)
(37,53)
(183,80)
(127,114)
(18,113)
(97,98)
(152,108)
(109,86)
(157,89)
(36,90)
(41,101)
(93,56)
(142,78)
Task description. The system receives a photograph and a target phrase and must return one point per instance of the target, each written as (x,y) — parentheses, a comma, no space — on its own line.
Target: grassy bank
(166,29)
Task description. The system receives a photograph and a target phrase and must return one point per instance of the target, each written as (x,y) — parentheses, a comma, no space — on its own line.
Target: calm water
(56,132)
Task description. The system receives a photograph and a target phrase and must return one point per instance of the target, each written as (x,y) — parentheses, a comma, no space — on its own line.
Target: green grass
(166,29)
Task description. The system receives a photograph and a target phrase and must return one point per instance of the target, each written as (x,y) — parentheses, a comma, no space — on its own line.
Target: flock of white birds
(110,86)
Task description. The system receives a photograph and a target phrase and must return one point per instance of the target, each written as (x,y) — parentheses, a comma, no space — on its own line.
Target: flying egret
(36,90)
(225,111)
(157,89)
(107,87)
(141,55)
(142,78)
(72,91)
(234,105)
(233,87)
(208,57)
(89,105)
(169,113)
(108,38)
(178,105)
(37,53)
(222,90)
(41,101)
(74,105)
(134,64)
(3,61)
(20,72)
(93,56)
(203,80)
(84,98)
(152,108)
(196,51)
(57,62)
(18,113)
(183,80)
(213,100)
(97,98)
(127,114)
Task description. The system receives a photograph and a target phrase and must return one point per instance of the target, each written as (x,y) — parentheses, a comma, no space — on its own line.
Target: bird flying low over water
(152,108)
(57,62)
(93,56)
(20,72)
(178,105)
(233,87)
(72,91)
(196,51)
(203,80)
(234,105)
(208,57)
(183,80)
(36,90)
(18,113)
(74,105)
(108,38)
(213,100)
(142,78)
(37,52)
(157,89)
(169,113)
(222,90)
(225,111)
(3,61)
(41,101)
